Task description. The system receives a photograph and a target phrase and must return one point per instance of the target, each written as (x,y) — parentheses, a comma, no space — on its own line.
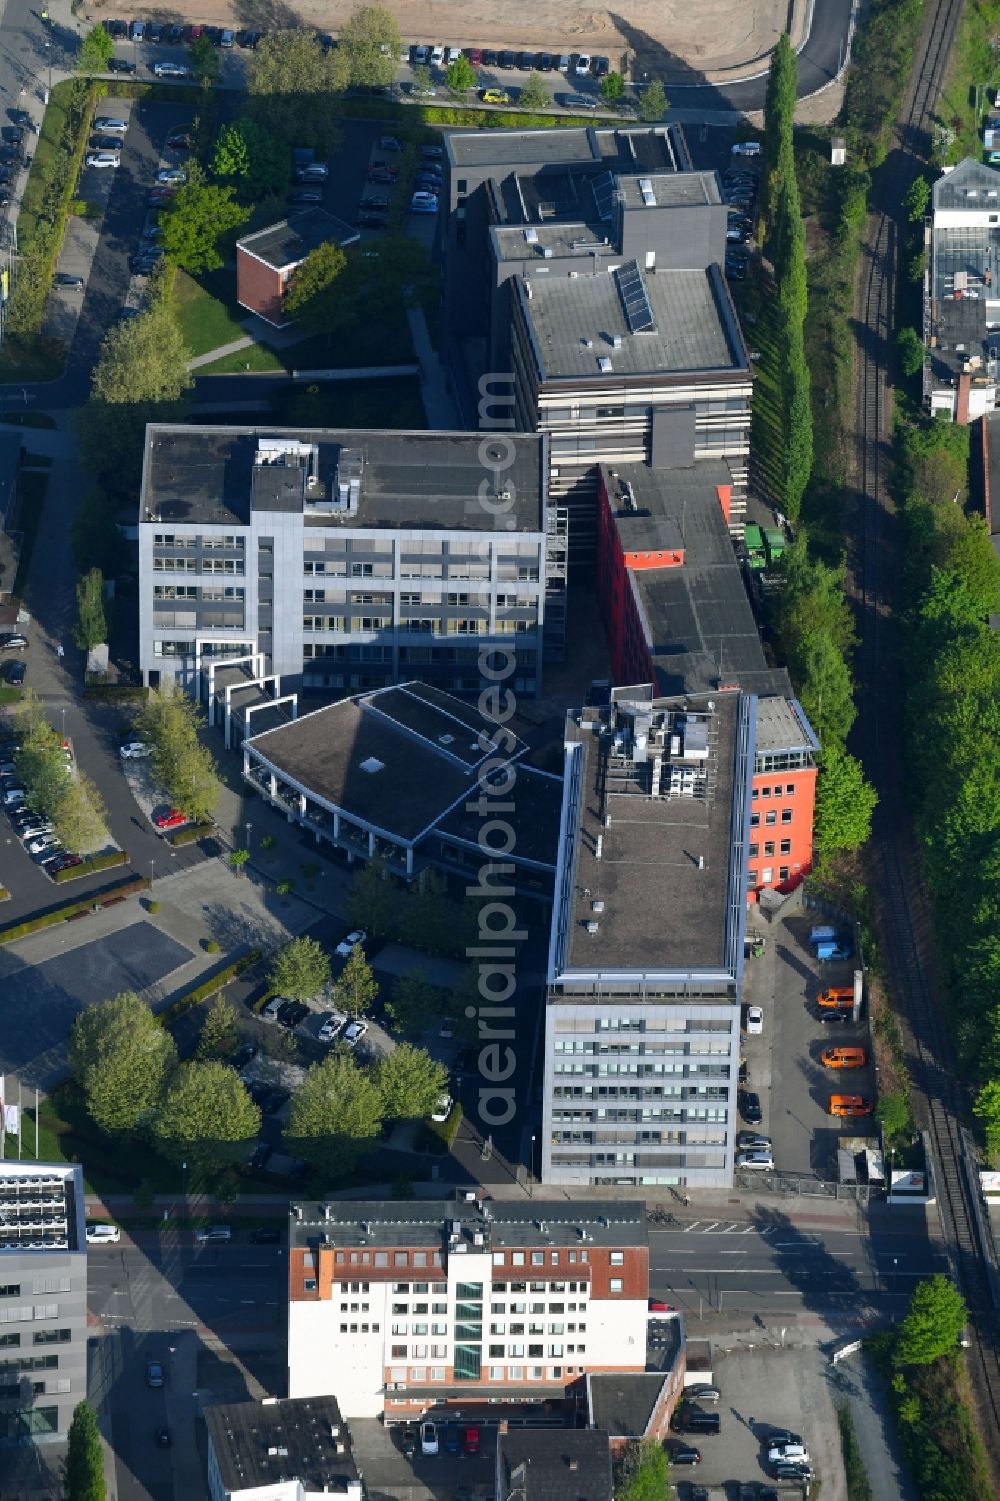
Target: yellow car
(496,96)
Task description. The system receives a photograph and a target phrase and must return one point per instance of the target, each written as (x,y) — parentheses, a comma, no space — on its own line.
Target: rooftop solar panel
(635,299)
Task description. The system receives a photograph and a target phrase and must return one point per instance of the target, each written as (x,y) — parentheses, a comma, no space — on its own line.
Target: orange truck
(844,1058)
(839,997)
(850,1104)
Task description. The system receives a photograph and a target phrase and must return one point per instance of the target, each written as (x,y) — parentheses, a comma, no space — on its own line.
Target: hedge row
(115,692)
(193,834)
(89,867)
(104,898)
(209,987)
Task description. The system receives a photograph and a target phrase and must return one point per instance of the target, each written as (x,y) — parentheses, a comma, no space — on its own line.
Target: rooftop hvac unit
(604,365)
(531,236)
(593,927)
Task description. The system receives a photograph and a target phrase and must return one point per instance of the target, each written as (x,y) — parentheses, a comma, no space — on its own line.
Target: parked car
(703,1392)
(583,64)
(759,1161)
(13,796)
(507,59)
(409,1437)
(452,1439)
(171,70)
(495,96)
(749,1107)
(683,1454)
(169,820)
(103,159)
(850,1105)
(111,125)
(443,1108)
(214,1235)
(746,148)
(156,32)
(332,1023)
(179,140)
(836,997)
(270,1011)
(265,1236)
(14,673)
(752,1141)
(99,1233)
(383,174)
(13,641)
(578,101)
(345,946)
(134,750)
(778,1452)
(172,175)
(432,153)
(755,1021)
(372,219)
(354,1031)
(780,1436)
(388,143)
(154,1374)
(314,172)
(470,1440)
(138,31)
(121,65)
(843,1058)
(429,1439)
(305,195)
(437,59)
(424,203)
(294,1013)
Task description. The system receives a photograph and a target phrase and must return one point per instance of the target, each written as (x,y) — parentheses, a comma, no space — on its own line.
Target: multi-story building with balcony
(397,1306)
(346,560)
(43,1300)
(645,971)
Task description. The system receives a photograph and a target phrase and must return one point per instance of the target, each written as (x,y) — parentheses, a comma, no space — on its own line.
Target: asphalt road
(773,1266)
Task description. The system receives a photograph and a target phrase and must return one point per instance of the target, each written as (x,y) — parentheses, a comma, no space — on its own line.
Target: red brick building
(267,260)
(677,615)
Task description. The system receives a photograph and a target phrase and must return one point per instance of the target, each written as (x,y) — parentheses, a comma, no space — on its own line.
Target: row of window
(771,817)
(23,1313)
(779,790)
(766,876)
(206,565)
(189,539)
(786,849)
(206,593)
(418,1375)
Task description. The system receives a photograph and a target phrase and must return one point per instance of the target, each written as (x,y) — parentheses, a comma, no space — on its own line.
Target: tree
(845,803)
(79,814)
(237,860)
(987,1109)
(315,276)
(206,1114)
(141,360)
(373,900)
(40,762)
(170,722)
(779,114)
(461,76)
(336,1108)
(96,51)
(220,1030)
(410,1083)
(121,1058)
(911,349)
(292,82)
(423,79)
(916,200)
(534,94)
(301,970)
(894,1115)
(356,986)
(415,1003)
(612,87)
(197,220)
(372,43)
(91,625)
(85,1457)
(653,102)
(644,1473)
(231,157)
(827,691)
(932,1324)
(204,60)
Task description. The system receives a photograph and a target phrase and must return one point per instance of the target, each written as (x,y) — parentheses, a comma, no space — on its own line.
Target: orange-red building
(677,615)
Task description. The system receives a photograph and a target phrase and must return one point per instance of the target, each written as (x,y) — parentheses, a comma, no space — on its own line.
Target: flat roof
(261,1444)
(781,725)
(623,1402)
(967,186)
(288,242)
(554,1464)
(653,826)
(528,242)
(701,627)
(648,147)
(537,798)
(422,480)
(574,323)
(397,759)
(427,1222)
(669,190)
(41,1208)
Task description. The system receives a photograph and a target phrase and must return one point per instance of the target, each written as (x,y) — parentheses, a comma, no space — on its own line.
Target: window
(362,570)
(399,1352)
(783,873)
(617,1258)
(786,815)
(437,1373)
(616,1285)
(754,820)
(517,1258)
(399,1258)
(309,1284)
(768,849)
(786,846)
(771,817)
(10,1290)
(766,876)
(537,1258)
(754,851)
(790,789)
(765,792)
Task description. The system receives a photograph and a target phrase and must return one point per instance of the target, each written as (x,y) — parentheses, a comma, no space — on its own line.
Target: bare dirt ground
(672,38)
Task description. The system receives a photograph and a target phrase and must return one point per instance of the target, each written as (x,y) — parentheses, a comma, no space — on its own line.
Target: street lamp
(152,866)
(249,828)
(184,1169)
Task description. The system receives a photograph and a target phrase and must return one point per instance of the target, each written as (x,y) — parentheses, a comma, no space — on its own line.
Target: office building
(267,260)
(962,292)
(43,1300)
(347,560)
(645,968)
(677,615)
(280,1450)
(400,1306)
(394,775)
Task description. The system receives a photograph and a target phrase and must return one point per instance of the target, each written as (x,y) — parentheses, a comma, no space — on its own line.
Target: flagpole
(19,1118)
(36,1122)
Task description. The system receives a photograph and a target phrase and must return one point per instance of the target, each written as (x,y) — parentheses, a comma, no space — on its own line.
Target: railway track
(904,906)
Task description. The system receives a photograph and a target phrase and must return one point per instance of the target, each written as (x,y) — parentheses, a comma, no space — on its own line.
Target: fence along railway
(905,906)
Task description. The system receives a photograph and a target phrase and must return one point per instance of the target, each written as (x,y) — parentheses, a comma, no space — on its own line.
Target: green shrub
(103,898)
(211,945)
(89,866)
(193,833)
(152,906)
(209,987)
(94,687)
(441,1134)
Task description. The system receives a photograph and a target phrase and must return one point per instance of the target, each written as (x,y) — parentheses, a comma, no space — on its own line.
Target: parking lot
(765,1389)
(784,1062)
(390,1474)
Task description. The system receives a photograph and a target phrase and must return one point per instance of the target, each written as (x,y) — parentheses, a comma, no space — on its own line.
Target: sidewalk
(442,414)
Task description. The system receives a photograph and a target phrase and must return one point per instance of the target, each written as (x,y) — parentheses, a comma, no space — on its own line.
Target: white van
(746,148)
(98,1233)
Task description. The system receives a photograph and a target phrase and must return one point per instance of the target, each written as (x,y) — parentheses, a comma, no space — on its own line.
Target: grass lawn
(367,403)
(255,357)
(9,695)
(29,360)
(28,419)
(383,341)
(65,1134)
(207,312)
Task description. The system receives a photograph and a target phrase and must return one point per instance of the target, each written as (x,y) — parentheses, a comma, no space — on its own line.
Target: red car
(470,1439)
(657,1305)
(475,56)
(171,820)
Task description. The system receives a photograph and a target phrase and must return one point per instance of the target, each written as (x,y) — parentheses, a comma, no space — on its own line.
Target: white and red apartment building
(395,1308)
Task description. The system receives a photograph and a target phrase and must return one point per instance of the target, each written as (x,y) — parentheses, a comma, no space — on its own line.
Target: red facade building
(267,260)
(677,615)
